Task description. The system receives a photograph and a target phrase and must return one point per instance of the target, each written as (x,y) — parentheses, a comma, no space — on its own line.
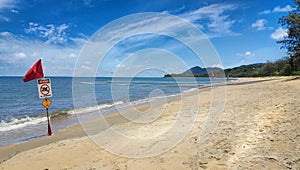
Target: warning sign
(44,87)
(46,103)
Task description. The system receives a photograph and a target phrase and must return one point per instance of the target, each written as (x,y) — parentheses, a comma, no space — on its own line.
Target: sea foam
(19,123)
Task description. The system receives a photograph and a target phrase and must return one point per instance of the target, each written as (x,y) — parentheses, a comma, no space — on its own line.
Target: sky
(241,32)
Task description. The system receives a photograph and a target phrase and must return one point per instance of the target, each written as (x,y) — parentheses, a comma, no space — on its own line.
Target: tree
(292,41)
(286,70)
(268,69)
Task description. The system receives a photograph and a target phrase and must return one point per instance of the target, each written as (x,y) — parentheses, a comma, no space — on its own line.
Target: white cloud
(85,67)
(14,11)
(4,18)
(7,4)
(51,33)
(72,55)
(246,54)
(284,9)
(265,12)
(279,34)
(217,65)
(5,34)
(20,53)
(259,25)
(287,8)
(219,24)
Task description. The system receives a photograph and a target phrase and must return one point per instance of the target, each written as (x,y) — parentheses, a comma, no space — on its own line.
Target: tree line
(282,67)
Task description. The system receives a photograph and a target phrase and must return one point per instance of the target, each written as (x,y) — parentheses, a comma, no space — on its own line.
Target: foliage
(252,70)
(292,41)
(279,68)
(199,72)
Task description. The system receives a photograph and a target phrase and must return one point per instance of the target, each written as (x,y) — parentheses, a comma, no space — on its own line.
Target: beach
(255,125)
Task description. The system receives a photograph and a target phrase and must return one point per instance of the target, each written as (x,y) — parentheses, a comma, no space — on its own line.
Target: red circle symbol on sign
(45,89)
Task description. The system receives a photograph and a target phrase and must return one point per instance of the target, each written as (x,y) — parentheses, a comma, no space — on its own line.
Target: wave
(193,89)
(19,123)
(34,120)
(93,108)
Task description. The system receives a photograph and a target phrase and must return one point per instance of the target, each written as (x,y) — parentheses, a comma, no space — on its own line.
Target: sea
(23,117)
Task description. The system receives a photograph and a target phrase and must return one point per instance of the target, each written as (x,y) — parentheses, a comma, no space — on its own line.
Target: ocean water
(22,117)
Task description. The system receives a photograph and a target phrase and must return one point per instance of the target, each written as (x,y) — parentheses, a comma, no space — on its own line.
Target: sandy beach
(258,128)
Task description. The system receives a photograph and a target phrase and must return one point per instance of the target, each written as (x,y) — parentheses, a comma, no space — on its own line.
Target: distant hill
(197,72)
(282,67)
(251,70)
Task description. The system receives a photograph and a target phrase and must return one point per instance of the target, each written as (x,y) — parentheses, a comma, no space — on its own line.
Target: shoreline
(65,118)
(77,133)
(71,132)
(77,125)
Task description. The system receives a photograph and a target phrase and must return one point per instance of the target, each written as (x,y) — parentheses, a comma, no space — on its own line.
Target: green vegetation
(199,72)
(291,42)
(252,70)
(279,68)
(291,65)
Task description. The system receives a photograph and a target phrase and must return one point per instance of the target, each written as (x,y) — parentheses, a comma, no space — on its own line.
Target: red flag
(35,72)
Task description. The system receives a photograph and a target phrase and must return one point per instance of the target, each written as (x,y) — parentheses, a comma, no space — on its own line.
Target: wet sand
(259,128)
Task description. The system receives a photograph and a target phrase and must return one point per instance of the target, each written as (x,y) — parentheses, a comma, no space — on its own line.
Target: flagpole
(49,128)
(44,86)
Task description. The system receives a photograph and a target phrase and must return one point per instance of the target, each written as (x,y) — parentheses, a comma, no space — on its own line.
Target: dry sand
(259,129)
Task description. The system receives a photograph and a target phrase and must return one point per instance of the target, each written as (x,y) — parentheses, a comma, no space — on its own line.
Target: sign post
(44,88)
(46,103)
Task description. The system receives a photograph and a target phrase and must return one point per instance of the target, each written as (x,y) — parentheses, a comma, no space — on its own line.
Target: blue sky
(242,32)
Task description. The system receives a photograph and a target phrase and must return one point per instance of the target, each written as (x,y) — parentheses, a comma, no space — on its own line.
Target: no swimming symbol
(44,87)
